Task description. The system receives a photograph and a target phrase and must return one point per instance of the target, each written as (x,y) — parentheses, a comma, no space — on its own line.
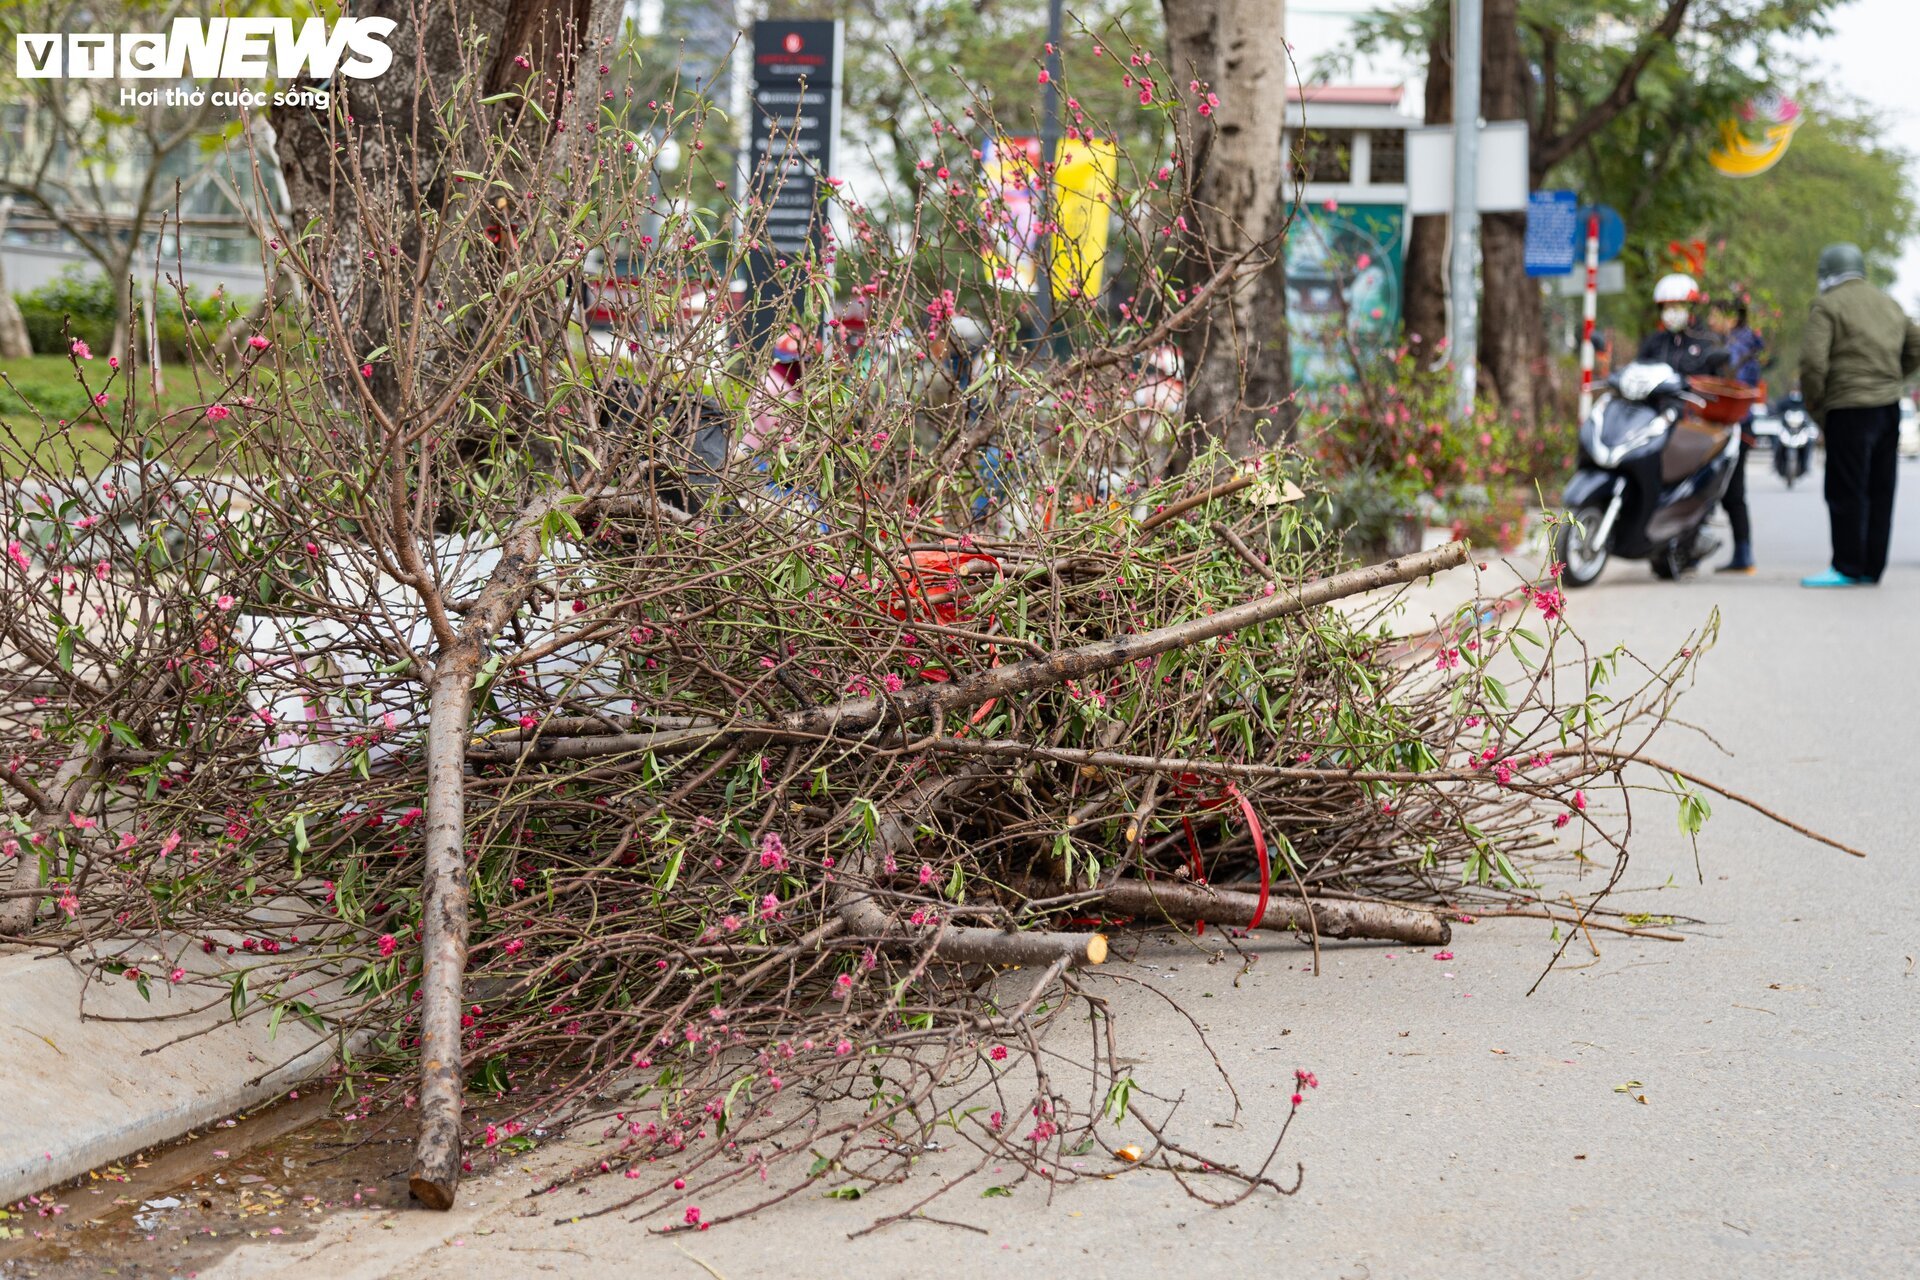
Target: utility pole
(1464,306)
(1049,157)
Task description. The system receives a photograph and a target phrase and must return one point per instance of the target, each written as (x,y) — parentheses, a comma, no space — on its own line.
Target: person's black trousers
(1735,501)
(1863,462)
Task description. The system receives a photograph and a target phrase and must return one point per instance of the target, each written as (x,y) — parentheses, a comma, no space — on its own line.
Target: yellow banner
(1083,184)
(1083,188)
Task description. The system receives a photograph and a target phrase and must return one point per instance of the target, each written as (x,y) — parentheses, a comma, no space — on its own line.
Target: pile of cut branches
(534,721)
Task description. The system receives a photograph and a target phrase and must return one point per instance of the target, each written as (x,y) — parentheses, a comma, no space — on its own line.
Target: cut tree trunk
(894,835)
(1239,379)
(862,716)
(407,163)
(1325,917)
(1426,309)
(437,1157)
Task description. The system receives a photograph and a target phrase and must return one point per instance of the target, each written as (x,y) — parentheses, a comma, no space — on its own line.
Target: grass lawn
(40,393)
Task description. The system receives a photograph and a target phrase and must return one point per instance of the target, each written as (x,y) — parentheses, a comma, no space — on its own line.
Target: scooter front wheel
(1575,548)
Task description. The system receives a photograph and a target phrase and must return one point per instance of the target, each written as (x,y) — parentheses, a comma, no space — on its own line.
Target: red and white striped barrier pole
(1589,306)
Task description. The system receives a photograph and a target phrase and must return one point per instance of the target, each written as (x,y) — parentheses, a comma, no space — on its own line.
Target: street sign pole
(1464,311)
(1589,307)
(1049,157)
(793,128)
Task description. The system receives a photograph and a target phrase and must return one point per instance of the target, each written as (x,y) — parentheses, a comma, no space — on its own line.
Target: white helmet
(968,332)
(1678,287)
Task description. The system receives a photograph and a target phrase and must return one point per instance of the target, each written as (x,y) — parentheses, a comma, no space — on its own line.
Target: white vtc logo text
(212,48)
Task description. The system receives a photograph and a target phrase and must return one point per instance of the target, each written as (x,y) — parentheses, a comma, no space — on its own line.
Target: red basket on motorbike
(1725,401)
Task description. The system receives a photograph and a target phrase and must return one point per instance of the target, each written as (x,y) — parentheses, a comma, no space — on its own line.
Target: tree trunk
(437,1158)
(1239,367)
(14,344)
(403,156)
(123,308)
(1512,333)
(1426,309)
(399,157)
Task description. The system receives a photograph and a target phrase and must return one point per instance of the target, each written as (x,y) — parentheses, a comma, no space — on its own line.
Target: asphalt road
(1461,1127)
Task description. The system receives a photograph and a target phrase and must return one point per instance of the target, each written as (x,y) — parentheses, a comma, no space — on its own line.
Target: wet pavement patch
(178,1209)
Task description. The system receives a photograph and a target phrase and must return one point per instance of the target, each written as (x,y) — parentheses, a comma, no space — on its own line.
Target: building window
(1389,167)
(1324,155)
(13,125)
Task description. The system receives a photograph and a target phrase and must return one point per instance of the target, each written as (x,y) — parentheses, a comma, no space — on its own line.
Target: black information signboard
(794,123)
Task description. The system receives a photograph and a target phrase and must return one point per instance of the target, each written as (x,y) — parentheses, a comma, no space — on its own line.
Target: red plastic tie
(1259,851)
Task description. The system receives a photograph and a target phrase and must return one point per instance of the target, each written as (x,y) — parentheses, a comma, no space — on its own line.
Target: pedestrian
(1744,346)
(1858,352)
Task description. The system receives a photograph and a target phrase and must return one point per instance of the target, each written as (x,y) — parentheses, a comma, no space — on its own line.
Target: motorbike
(1793,445)
(1657,453)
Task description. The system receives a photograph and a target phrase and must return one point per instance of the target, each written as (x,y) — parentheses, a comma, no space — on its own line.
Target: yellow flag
(1083,185)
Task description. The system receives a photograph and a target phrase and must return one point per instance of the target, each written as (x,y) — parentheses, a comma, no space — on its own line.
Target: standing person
(1859,349)
(1743,365)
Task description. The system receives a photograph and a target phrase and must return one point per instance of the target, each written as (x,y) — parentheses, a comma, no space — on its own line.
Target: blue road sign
(1553,232)
(1613,230)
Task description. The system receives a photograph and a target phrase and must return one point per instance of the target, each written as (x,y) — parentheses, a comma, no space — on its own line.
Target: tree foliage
(1839,181)
(1625,103)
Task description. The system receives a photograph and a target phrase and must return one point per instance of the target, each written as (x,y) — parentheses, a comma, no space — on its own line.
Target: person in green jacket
(1858,351)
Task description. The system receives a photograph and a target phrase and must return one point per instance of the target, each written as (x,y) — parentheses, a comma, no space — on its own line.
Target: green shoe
(1831,577)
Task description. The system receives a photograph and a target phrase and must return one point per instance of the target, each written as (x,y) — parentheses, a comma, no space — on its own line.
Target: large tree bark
(1239,365)
(393,144)
(1512,331)
(1426,309)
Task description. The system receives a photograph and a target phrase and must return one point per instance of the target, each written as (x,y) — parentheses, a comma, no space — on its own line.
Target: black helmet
(1840,262)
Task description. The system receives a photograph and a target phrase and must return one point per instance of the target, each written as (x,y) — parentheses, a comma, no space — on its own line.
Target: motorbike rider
(1682,341)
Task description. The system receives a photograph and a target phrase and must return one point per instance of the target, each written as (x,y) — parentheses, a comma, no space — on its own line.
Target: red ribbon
(1230,792)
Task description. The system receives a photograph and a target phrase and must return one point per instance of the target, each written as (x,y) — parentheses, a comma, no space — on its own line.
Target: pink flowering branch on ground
(452,685)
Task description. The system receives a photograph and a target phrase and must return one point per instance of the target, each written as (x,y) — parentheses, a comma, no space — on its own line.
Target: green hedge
(79,304)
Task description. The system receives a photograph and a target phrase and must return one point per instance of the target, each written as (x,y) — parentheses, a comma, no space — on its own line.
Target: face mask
(1675,318)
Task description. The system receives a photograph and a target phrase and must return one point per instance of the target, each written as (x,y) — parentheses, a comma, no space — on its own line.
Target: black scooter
(1649,478)
(1793,446)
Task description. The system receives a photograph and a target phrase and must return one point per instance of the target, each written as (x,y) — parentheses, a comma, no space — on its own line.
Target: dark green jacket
(1858,351)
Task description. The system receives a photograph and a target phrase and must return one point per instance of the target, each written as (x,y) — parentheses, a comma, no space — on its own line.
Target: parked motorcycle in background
(1656,455)
(1793,442)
